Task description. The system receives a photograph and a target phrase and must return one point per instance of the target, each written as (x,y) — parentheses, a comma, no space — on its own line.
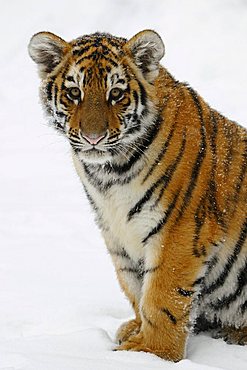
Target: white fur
(114,207)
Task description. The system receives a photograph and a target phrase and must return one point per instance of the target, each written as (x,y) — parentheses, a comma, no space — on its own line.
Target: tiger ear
(147,48)
(47,50)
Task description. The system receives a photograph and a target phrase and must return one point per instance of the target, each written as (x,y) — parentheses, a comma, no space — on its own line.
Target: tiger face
(98,90)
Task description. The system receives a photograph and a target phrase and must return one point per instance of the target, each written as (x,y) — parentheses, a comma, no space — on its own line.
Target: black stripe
(82,69)
(152,269)
(164,220)
(105,80)
(147,319)
(230,147)
(242,173)
(213,206)
(82,50)
(91,201)
(139,205)
(199,251)
(94,180)
(136,97)
(75,140)
(164,180)
(199,217)
(61,114)
(142,147)
(172,168)
(55,95)
(199,159)
(170,315)
(58,126)
(184,292)
(129,269)
(231,259)
(135,128)
(111,61)
(143,94)
(97,177)
(95,56)
(64,87)
(198,281)
(122,253)
(133,270)
(70,78)
(116,43)
(211,263)
(243,307)
(121,81)
(113,136)
(161,154)
(227,300)
(49,89)
(139,270)
(65,71)
(96,39)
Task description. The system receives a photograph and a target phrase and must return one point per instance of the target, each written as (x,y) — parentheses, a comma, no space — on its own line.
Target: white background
(60,303)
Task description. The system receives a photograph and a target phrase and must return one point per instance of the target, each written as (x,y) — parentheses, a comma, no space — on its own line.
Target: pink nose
(93,139)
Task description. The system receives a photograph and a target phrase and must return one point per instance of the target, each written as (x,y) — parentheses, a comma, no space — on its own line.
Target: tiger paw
(138,344)
(133,343)
(127,329)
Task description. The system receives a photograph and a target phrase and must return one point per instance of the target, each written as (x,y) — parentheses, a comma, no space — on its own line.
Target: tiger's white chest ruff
(112,215)
(123,233)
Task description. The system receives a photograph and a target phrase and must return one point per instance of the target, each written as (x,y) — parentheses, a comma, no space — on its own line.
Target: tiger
(165,175)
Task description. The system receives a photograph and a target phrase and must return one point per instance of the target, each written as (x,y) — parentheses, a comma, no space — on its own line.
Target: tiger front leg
(166,304)
(131,286)
(129,274)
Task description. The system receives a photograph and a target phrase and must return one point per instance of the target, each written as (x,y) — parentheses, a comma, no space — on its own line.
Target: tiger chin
(165,175)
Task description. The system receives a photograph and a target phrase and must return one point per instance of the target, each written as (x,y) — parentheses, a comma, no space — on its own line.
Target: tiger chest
(121,232)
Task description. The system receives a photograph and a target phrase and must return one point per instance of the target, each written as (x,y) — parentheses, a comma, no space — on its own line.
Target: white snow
(60,304)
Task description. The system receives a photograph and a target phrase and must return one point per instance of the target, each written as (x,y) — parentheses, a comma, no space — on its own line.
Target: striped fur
(166,177)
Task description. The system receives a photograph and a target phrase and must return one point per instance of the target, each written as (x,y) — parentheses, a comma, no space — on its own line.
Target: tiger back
(166,177)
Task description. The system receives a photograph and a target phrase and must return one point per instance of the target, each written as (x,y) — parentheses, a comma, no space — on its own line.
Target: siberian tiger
(166,177)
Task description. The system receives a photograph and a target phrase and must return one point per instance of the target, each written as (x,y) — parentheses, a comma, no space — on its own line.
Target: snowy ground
(60,303)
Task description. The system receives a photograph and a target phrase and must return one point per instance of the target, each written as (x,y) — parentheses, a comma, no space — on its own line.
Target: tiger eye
(74,92)
(116,93)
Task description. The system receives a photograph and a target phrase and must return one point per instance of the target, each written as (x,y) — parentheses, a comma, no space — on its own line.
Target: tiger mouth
(89,151)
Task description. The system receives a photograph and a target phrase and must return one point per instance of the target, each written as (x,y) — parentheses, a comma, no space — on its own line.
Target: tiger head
(98,90)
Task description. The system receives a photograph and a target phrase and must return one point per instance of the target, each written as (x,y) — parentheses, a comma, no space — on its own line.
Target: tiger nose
(93,139)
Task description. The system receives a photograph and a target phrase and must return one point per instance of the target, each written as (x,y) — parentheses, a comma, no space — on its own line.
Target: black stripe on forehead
(99,38)
(96,57)
(100,49)
(96,74)
(98,45)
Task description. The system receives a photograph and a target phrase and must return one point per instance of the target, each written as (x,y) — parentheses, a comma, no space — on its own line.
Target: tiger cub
(166,177)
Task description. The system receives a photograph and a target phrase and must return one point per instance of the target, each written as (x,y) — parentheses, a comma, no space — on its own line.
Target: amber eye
(116,93)
(74,93)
